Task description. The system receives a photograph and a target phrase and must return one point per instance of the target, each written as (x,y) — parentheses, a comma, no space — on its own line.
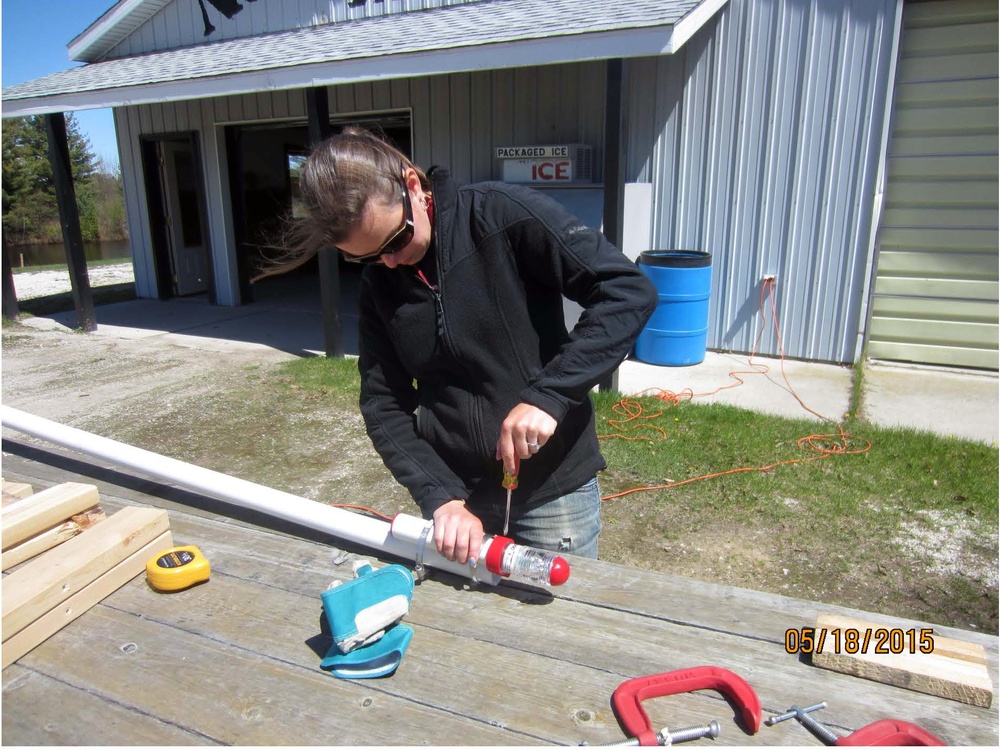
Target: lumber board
(14,491)
(54,576)
(953,669)
(71,608)
(45,509)
(49,538)
(40,707)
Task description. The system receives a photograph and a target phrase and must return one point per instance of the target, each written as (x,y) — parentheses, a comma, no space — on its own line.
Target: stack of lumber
(49,518)
(69,557)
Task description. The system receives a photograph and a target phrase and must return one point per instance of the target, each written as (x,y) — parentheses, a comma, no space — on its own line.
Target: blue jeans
(569,524)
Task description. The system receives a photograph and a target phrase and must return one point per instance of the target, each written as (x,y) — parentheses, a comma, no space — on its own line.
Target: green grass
(903,468)
(334,378)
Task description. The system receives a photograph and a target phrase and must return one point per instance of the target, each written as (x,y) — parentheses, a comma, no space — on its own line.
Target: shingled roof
(474,36)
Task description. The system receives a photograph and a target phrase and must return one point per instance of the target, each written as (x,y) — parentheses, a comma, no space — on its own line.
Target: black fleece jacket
(442,367)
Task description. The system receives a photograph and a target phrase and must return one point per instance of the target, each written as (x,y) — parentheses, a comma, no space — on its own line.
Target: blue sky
(35,35)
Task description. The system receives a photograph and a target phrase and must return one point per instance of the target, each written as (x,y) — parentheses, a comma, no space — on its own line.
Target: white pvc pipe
(344,524)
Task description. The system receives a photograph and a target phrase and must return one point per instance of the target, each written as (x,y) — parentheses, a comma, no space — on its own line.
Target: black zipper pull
(438,306)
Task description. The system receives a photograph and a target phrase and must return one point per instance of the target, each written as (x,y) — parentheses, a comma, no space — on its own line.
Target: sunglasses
(399,239)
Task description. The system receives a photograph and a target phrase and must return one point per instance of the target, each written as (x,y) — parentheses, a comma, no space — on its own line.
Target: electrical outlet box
(769,277)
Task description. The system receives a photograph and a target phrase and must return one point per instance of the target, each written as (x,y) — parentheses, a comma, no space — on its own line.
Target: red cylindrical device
(526,564)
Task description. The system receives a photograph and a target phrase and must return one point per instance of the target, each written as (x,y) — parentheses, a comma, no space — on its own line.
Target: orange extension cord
(362,508)
(820,446)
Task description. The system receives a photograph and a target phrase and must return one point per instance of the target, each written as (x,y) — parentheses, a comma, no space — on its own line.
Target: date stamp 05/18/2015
(859,640)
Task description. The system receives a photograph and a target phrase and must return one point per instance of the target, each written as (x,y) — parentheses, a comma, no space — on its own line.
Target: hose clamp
(419,569)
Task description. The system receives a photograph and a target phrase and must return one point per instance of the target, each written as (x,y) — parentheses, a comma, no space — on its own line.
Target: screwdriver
(510,484)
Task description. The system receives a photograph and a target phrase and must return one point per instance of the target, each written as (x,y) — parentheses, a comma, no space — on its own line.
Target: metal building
(846,147)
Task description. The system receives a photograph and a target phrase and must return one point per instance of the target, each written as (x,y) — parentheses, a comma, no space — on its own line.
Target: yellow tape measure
(178,568)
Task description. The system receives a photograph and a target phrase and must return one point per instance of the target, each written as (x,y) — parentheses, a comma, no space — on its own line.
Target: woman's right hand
(458,534)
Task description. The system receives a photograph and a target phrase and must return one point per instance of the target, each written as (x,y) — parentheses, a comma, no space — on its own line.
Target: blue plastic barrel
(677,332)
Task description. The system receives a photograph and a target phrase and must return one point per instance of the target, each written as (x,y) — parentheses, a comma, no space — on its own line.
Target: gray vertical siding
(457,120)
(762,141)
(180,23)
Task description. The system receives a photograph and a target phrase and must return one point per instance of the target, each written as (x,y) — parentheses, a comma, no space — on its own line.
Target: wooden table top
(236,660)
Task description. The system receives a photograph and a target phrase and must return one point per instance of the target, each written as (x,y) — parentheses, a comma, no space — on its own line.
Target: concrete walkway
(952,403)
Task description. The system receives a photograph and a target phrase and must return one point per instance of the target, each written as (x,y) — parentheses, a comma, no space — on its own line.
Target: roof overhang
(368,50)
(112,27)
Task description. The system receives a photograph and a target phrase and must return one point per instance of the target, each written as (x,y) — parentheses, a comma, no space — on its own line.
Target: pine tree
(30,213)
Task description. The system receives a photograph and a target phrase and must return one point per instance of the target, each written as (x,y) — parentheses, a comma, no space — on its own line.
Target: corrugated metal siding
(761,139)
(936,294)
(180,23)
(457,120)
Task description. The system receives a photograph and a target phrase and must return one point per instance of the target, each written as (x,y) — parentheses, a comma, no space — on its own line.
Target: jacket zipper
(438,307)
(477,409)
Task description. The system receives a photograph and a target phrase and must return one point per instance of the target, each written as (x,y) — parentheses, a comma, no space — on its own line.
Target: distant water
(22,256)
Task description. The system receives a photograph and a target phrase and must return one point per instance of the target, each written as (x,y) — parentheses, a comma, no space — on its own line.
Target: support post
(69,218)
(318,108)
(10,310)
(233,138)
(614,166)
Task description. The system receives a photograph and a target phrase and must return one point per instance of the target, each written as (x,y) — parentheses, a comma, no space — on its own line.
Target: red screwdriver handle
(888,732)
(628,697)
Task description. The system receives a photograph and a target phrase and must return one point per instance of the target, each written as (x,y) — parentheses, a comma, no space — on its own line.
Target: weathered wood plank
(463,672)
(44,510)
(753,614)
(541,698)
(41,710)
(20,643)
(502,622)
(951,669)
(38,586)
(50,538)
(231,695)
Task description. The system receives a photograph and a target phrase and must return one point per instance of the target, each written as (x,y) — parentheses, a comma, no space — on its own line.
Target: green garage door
(935,298)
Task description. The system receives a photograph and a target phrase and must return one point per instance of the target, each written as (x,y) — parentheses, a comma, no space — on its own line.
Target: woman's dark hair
(338,180)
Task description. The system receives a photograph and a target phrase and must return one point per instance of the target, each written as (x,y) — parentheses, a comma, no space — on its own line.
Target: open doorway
(177,212)
(264,162)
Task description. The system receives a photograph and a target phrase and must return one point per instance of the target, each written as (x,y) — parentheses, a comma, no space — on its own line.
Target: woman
(466,364)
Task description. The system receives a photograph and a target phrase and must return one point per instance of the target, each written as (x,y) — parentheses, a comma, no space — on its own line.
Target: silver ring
(533,446)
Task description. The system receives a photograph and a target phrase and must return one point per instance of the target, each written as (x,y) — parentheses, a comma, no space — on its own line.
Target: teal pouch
(360,611)
(378,659)
(364,618)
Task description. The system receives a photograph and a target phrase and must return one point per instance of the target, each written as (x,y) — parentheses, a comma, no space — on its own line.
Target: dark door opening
(177,213)
(264,162)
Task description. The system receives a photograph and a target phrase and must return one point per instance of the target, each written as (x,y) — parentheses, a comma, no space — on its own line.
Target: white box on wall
(637,223)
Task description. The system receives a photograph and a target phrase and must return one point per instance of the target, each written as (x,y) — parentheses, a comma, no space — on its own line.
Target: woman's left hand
(523,433)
